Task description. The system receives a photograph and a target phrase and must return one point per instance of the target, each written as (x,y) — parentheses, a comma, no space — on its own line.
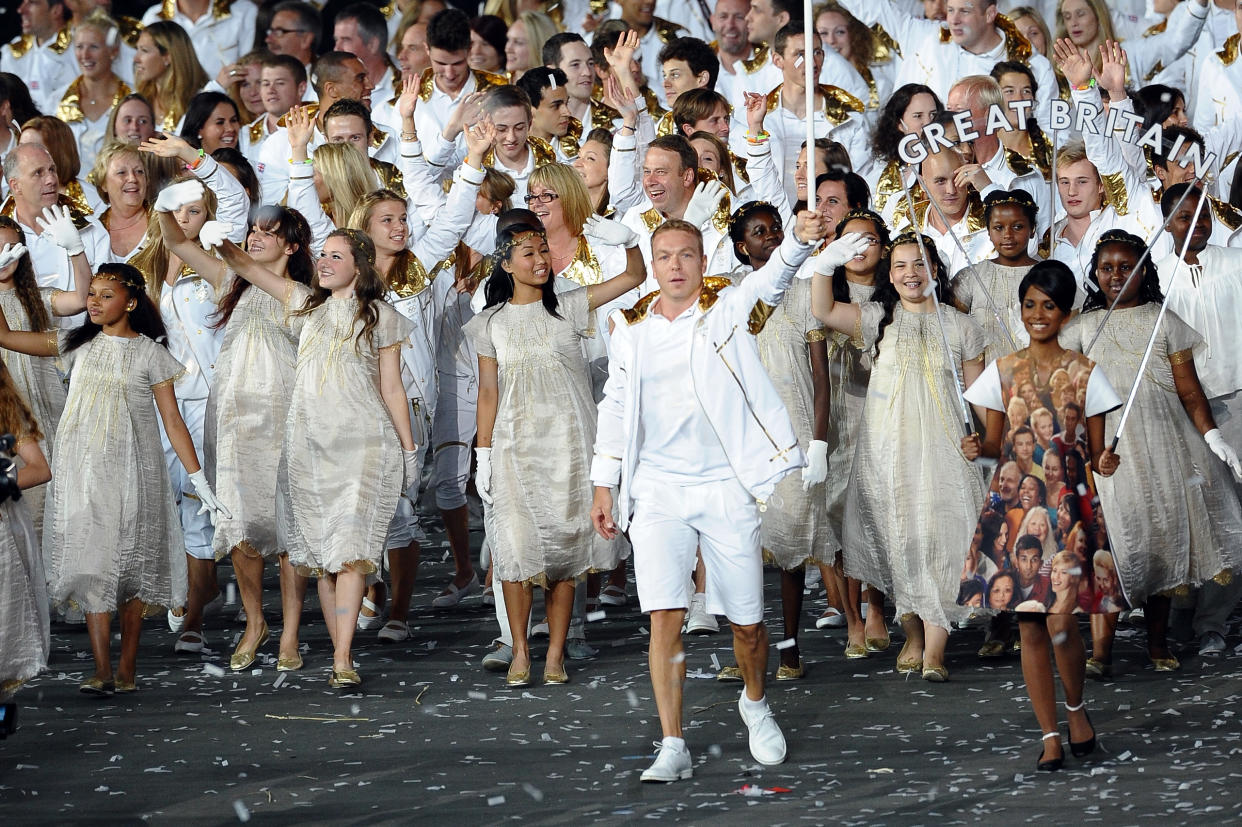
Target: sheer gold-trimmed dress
(539,524)
(341,452)
(849,371)
(913,497)
(1172,514)
(246,416)
(111,531)
(24,638)
(39,383)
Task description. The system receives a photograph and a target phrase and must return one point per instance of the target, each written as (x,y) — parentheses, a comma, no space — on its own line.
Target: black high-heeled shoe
(1051,764)
(1081,749)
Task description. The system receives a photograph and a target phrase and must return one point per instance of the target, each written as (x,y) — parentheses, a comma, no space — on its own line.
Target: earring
(130,307)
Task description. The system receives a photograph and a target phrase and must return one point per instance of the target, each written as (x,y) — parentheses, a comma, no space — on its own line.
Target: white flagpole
(808,65)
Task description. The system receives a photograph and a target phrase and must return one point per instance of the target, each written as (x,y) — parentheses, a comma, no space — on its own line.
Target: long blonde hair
(1104,28)
(152,260)
(184,76)
(347,174)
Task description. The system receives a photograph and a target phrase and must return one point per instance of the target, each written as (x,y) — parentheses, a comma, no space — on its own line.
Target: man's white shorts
(671,521)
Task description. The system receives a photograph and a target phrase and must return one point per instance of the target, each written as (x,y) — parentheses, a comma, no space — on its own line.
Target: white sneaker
(767,742)
(672,764)
(698,621)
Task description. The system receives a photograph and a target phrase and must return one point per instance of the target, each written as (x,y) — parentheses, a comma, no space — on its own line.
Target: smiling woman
(211,122)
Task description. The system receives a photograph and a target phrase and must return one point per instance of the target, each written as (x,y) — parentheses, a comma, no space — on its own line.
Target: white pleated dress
(913,497)
(110,529)
(342,456)
(246,416)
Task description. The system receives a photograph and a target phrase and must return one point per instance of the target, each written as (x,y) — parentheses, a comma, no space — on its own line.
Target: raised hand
(407,101)
(622,98)
(466,113)
(57,224)
(480,138)
(11,254)
(1072,62)
(707,197)
(301,126)
(756,111)
(840,251)
(1112,74)
(214,234)
(608,232)
(175,196)
(169,146)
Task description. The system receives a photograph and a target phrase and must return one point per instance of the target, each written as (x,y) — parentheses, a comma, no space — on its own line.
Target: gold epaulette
(411,279)
(1045,243)
(583,269)
(388,9)
(757,60)
(1229,53)
(1017,47)
(652,219)
(1041,152)
(378,136)
(653,102)
(1018,164)
(256,129)
(22,45)
(1115,194)
(886,48)
(759,315)
(69,109)
(634,315)
(602,115)
(571,141)
(76,197)
(666,30)
(665,125)
(838,104)
(1226,213)
(312,109)
(774,98)
(739,167)
(544,153)
(389,176)
(426,84)
(220,9)
(974,213)
(64,39)
(1159,28)
(710,291)
(486,80)
(9,209)
(873,93)
(130,28)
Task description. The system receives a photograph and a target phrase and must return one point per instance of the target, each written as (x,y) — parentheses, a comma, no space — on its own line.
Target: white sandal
(376,620)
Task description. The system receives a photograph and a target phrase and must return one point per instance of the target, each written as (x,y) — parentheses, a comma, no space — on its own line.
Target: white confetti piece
(715,662)
(354,709)
(715,751)
(632,697)
(798,63)
(787,643)
(213,670)
(495,800)
(280,679)
(243,812)
(476,695)
(230,594)
(256,672)
(594,616)
(680,657)
(533,791)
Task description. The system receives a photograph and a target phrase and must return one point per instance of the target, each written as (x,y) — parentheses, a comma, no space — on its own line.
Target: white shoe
(540,629)
(175,622)
(767,742)
(698,621)
(830,619)
(190,643)
(672,764)
(375,621)
(1212,644)
(394,631)
(454,595)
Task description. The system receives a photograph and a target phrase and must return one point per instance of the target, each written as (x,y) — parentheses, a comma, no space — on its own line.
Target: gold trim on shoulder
(389,176)
(634,315)
(838,104)
(69,109)
(1017,163)
(666,30)
(774,98)
(256,128)
(710,291)
(1226,213)
(426,85)
(378,136)
(1229,53)
(129,29)
(64,39)
(1159,28)
(583,269)
(739,167)
(886,48)
(757,59)
(652,219)
(411,279)
(21,45)
(1115,194)
(974,214)
(486,80)
(759,315)
(571,141)
(653,102)
(312,109)
(76,197)
(1017,47)
(665,125)
(544,153)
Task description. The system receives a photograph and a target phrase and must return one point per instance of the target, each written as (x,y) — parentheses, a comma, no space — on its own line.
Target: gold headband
(502,252)
(125,278)
(357,237)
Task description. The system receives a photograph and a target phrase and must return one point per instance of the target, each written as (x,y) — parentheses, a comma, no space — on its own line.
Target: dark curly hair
(1025,202)
(737,224)
(886,294)
(888,132)
(840,285)
(1149,284)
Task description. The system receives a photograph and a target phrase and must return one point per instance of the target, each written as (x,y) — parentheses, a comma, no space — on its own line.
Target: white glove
(606,231)
(11,253)
(483,474)
(211,506)
(816,470)
(57,225)
(839,252)
(1216,441)
(214,233)
(409,460)
(707,197)
(175,196)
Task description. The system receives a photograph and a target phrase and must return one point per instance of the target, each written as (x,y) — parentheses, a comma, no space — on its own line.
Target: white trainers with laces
(671,764)
(698,621)
(767,742)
